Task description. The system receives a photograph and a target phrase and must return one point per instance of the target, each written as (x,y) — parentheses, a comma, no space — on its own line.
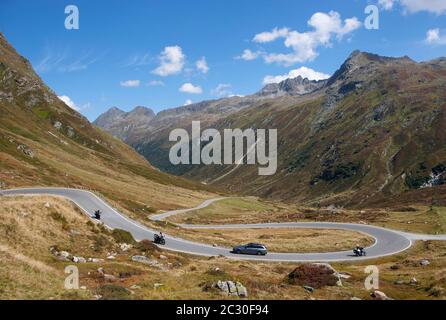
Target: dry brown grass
(419,219)
(234,210)
(282,240)
(29,271)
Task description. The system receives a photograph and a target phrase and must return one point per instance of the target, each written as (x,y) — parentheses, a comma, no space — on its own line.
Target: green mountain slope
(373,131)
(377,130)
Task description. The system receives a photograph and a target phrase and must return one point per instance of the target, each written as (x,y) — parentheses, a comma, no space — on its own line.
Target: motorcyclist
(97,214)
(159,238)
(359,250)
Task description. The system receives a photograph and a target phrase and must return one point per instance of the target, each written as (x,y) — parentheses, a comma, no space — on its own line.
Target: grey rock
(308,288)
(26,150)
(78,259)
(157,285)
(425,262)
(379,295)
(231,288)
(148,261)
(57,125)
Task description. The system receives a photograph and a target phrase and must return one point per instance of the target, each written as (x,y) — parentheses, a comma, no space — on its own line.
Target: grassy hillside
(43,142)
(31,226)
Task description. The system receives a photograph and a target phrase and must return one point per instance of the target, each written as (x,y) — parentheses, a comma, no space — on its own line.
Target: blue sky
(162,54)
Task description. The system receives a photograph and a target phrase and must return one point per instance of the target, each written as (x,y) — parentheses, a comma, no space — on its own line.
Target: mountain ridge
(351,141)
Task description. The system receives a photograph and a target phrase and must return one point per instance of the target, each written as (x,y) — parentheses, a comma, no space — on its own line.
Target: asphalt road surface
(387,242)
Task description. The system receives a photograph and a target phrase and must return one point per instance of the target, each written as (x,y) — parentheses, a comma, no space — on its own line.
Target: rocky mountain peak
(120,123)
(108,117)
(142,111)
(291,86)
(363,63)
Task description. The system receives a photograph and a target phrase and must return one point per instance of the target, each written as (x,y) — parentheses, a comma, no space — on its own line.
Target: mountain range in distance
(373,132)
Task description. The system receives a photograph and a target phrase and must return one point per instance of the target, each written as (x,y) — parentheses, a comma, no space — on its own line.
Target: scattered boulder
(47,205)
(78,259)
(309,289)
(65,254)
(57,125)
(107,277)
(26,150)
(2,185)
(425,262)
(413,281)
(315,275)
(344,275)
(61,255)
(95,260)
(111,255)
(157,285)
(379,295)
(162,257)
(241,290)
(148,261)
(231,288)
(125,246)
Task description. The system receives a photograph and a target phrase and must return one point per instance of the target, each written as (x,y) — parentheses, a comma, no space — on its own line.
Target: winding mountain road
(387,242)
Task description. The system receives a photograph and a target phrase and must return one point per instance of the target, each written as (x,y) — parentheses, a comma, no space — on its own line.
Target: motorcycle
(97,215)
(359,252)
(159,239)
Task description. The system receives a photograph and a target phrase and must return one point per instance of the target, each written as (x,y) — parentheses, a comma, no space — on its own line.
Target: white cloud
(387,4)
(202,65)
(155,83)
(304,72)
(188,102)
(304,45)
(190,88)
(434,36)
(434,6)
(130,83)
(249,55)
(172,61)
(412,6)
(67,100)
(275,34)
(222,90)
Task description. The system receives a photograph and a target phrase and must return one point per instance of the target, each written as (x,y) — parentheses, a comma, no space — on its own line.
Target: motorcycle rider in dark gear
(97,214)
